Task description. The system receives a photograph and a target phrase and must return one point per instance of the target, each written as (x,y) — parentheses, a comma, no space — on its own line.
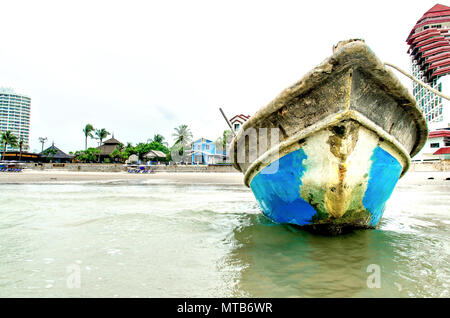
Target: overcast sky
(138,68)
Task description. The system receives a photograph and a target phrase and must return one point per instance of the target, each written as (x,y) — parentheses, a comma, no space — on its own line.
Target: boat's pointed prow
(328,151)
(340,44)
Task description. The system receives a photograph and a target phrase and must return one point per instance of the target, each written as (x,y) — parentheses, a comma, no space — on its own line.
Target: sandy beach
(54,176)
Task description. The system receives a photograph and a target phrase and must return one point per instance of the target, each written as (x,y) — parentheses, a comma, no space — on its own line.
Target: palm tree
(21,142)
(101,134)
(87,133)
(159,139)
(8,138)
(42,140)
(183,135)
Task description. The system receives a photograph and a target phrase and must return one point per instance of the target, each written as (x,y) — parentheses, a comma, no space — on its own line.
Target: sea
(140,238)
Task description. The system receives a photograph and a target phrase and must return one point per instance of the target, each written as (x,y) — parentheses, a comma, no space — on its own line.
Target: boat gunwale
(322,72)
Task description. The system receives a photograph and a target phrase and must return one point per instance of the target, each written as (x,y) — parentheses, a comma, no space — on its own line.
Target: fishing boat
(326,154)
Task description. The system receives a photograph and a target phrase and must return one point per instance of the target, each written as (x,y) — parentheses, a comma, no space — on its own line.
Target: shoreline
(59,176)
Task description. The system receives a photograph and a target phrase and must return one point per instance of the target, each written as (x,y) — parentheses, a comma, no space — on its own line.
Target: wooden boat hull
(344,136)
(328,188)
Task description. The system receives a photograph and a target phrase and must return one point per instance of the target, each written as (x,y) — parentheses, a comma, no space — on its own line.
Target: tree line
(182,137)
(8,138)
(121,153)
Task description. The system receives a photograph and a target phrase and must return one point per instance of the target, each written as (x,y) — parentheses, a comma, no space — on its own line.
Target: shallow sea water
(146,239)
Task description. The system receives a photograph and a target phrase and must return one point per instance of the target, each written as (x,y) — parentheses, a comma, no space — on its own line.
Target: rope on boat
(428,87)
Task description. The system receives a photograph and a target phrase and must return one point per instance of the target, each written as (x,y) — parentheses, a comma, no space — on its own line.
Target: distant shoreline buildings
(238,120)
(15,116)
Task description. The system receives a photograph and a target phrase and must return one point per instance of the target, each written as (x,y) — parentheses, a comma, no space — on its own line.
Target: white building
(429,49)
(436,109)
(15,116)
(437,146)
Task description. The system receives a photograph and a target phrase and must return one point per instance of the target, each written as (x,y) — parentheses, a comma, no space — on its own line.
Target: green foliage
(119,155)
(49,153)
(101,134)
(120,146)
(123,153)
(87,130)
(107,160)
(158,139)
(88,155)
(169,156)
(129,150)
(183,135)
(8,138)
(143,148)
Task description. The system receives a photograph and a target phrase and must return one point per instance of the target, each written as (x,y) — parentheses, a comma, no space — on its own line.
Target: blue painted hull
(282,198)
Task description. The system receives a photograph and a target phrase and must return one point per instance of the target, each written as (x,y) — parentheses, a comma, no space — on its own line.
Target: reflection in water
(281,261)
(132,239)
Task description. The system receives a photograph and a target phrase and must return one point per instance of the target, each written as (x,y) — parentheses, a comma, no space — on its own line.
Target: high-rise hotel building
(15,116)
(429,48)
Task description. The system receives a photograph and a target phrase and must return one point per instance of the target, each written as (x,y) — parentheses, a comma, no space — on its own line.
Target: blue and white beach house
(204,152)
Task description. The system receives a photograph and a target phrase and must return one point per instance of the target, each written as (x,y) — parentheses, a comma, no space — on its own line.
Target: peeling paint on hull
(299,190)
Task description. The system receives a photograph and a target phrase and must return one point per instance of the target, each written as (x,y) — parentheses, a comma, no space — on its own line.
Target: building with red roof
(437,146)
(238,120)
(429,48)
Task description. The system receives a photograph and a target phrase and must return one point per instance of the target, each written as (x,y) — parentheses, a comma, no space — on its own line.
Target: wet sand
(54,176)
(425,178)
